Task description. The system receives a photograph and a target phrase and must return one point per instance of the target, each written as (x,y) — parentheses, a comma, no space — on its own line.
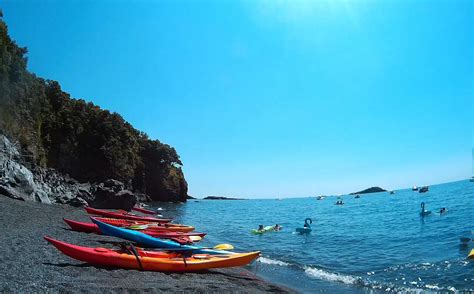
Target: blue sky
(273,98)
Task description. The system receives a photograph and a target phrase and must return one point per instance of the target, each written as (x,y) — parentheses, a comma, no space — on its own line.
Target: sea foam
(328,276)
(272,261)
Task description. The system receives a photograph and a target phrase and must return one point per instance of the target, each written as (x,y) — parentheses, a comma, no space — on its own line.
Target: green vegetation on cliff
(78,137)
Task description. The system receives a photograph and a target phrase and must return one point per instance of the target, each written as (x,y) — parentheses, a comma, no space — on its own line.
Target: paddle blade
(224,247)
(138,227)
(195,238)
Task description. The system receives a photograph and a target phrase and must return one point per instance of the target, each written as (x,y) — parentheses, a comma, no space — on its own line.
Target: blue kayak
(149,241)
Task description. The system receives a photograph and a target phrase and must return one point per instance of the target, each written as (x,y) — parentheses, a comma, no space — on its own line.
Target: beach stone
(10,192)
(77,202)
(114,185)
(141,197)
(42,197)
(108,197)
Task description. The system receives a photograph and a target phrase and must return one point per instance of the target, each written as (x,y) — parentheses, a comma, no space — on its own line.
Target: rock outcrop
(17,181)
(47,185)
(111,194)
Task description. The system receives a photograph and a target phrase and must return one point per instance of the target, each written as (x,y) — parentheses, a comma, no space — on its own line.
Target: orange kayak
(152,260)
(149,225)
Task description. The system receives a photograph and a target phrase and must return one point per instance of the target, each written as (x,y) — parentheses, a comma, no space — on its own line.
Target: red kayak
(93,228)
(150,225)
(144,210)
(125,215)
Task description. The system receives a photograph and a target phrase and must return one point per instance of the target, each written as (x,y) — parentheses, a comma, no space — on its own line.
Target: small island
(221,198)
(370,190)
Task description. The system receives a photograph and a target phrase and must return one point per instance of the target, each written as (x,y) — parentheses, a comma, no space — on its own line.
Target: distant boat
(357,196)
(392,192)
(279,199)
(320,197)
(424,189)
(415,188)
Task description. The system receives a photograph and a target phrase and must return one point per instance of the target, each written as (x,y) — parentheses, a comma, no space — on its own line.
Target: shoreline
(30,263)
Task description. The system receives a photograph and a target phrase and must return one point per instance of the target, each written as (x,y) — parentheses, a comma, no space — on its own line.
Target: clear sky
(273,98)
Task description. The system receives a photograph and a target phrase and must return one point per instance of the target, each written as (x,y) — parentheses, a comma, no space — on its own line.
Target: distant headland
(370,190)
(221,198)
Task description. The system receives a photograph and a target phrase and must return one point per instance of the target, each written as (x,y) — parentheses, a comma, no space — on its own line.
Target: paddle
(138,227)
(224,247)
(217,247)
(195,238)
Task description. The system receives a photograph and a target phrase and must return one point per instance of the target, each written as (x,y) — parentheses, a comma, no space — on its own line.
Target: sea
(372,244)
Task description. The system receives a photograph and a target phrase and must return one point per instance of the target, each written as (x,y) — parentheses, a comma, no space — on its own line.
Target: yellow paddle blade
(138,227)
(471,255)
(195,238)
(224,247)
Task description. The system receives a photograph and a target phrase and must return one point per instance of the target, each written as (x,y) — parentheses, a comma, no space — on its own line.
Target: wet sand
(29,264)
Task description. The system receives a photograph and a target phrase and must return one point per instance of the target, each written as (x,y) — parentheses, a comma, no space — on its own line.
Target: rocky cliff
(58,135)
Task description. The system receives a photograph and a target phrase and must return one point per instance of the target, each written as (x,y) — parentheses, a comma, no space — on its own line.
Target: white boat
(320,197)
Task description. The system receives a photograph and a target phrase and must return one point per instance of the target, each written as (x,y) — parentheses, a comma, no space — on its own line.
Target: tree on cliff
(78,137)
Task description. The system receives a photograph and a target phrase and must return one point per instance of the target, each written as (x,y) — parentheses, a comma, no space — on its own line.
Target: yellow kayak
(471,254)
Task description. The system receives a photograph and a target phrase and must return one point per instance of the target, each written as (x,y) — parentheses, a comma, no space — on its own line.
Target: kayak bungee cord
(132,251)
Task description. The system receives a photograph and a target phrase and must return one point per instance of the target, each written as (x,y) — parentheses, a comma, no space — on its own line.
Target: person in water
(277,227)
(442,210)
(260,228)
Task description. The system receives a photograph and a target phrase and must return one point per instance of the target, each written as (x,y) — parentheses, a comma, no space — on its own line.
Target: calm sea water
(376,243)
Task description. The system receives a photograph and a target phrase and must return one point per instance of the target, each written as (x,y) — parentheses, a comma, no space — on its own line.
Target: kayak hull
(125,215)
(150,260)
